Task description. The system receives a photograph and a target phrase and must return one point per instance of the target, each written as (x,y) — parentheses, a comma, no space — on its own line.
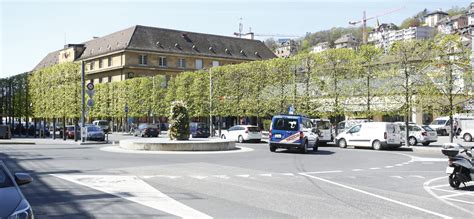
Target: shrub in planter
(178,121)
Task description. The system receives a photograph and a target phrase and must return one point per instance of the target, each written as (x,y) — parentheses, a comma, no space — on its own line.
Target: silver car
(418,134)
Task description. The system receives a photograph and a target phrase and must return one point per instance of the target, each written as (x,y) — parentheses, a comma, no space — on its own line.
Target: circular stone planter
(165,144)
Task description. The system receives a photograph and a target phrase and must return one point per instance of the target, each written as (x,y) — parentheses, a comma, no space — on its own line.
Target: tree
(369,56)
(410,22)
(409,60)
(179,121)
(451,75)
(271,44)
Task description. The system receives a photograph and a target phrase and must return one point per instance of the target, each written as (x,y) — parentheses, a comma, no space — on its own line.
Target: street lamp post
(83,92)
(210,104)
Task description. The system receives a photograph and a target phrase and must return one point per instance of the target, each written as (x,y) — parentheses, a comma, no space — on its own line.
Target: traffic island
(165,144)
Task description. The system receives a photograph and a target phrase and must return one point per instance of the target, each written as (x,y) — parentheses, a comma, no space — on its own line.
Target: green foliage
(179,121)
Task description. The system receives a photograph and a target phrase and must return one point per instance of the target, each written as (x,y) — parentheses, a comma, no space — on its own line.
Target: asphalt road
(84,181)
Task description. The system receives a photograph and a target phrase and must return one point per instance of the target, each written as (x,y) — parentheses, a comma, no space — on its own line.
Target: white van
(442,125)
(346,124)
(378,135)
(325,129)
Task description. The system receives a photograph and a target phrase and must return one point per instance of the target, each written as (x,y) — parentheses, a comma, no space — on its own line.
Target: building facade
(286,48)
(320,47)
(141,51)
(384,39)
(433,18)
(347,41)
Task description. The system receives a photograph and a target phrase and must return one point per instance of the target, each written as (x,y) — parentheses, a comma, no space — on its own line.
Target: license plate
(277,135)
(449,170)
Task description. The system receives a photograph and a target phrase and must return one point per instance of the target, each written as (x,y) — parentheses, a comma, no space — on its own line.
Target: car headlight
(22,211)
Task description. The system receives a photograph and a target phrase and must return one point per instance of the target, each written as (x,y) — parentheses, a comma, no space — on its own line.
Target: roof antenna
(241,27)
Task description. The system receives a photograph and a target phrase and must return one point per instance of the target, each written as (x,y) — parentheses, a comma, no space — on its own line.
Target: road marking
(117,149)
(134,189)
(388,166)
(398,165)
(287,174)
(462,201)
(221,176)
(417,176)
(265,174)
(375,168)
(377,196)
(456,194)
(356,170)
(429,190)
(243,175)
(319,172)
(398,177)
(198,177)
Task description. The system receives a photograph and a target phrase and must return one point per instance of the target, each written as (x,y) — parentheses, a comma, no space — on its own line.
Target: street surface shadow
(310,152)
(467,188)
(46,201)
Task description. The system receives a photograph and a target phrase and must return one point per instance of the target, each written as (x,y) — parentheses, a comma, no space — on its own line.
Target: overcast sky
(31,29)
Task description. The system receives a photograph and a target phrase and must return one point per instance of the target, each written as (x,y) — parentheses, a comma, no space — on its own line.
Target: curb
(93,143)
(419,148)
(18,142)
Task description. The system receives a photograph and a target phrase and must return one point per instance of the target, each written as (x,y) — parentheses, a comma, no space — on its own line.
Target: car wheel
(223,136)
(426,144)
(304,148)
(241,139)
(342,143)
(315,147)
(376,145)
(272,148)
(467,137)
(412,141)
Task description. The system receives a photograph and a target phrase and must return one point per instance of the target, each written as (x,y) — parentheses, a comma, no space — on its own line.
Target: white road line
(356,170)
(456,194)
(117,149)
(438,186)
(287,174)
(318,172)
(243,175)
(388,166)
(377,196)
(198,177)
(265,174)
(462,201)
(398,177)
(134,189)
(417,176)
(375,168)
(429,190)
(398,165)
(221,176)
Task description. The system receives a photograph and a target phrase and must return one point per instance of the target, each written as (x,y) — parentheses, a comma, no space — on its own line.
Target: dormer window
(227,51)
(211,49)
(242,52)
(177,46)
(158,44)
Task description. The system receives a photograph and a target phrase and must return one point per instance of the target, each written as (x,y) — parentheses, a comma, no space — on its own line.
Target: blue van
(292,131)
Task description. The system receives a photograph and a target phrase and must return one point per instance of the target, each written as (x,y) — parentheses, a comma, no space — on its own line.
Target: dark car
(147,130)
(12,202)
(95,133)
(39,129)
(199,130)
(70,131)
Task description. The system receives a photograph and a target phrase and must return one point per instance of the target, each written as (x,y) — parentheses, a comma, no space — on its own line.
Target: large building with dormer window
(146,51)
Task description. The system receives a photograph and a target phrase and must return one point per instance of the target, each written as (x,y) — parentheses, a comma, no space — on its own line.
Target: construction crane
(365,19)
(252,34)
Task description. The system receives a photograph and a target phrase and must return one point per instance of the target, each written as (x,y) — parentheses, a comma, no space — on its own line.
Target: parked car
(442,125)
(325,130)
(40,129)
(199,130)
(103,124)
(346,124)
(12,202)
(95,133)
(70,131)
(467,134)
(147,130)
(418,134)
(5,132)
(292,131)
(378,135)
(242,133)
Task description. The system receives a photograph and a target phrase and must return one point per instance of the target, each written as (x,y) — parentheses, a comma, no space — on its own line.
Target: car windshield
(285,124)
(438,122)
(93,129)
(323,124)
(427,128)
(253,129)
(102,123)
(201,125)
(70,128)
(5,181)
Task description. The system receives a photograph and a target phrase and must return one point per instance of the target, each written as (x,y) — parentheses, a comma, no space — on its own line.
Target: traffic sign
(90,103)
(90,86)
(291,110)
(90,93)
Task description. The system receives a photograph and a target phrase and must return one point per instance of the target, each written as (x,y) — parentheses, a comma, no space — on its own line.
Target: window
(181,63)
(162,62)
(109,61)
(100,63)
(355,129)
(215,63)
(198,63)
(100,80)
(109,79)
(91,66)
(286,124)
(143,60)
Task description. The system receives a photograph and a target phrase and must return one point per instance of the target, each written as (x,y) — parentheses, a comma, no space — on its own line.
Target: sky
(30,29)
